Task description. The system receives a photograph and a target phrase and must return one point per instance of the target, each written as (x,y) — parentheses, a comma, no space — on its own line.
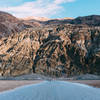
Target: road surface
(53,90)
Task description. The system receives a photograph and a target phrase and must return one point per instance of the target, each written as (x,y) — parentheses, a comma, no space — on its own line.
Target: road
(53,90)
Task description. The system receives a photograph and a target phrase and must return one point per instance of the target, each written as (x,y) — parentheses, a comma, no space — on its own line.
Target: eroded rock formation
(53,50)
(51,47)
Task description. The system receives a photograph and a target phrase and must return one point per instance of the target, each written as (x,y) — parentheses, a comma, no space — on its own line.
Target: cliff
(53,50)
(54,47)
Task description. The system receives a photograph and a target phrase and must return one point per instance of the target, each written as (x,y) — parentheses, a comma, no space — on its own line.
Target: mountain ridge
(54,48)
(10,24)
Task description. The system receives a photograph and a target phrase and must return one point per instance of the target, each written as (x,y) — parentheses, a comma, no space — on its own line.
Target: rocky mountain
(53,50)
(36,18)
(93,20)
(53,47)
(10,24)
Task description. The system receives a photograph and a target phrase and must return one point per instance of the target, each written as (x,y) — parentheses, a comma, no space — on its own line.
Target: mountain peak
(36,18)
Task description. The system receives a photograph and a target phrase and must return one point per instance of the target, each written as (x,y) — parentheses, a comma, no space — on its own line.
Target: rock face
(17,53)
(69,50)
(50,48)
(53,50)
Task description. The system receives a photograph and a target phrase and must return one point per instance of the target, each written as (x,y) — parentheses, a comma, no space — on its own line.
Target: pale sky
(51,8)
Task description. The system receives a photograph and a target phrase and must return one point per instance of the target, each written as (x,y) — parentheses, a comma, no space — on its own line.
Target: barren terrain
(8,85)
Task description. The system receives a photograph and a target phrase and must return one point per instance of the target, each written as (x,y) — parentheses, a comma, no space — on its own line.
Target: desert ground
(6,85)
(94,83)
(11,84)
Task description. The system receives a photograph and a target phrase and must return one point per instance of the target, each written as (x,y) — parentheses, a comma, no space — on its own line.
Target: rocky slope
(10,24)
(53,50)
(51,47)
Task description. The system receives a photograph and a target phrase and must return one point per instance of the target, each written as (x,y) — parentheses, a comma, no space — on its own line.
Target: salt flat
(53,90)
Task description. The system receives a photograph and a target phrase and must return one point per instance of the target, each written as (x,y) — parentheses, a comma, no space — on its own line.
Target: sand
(94,83)
(8,85)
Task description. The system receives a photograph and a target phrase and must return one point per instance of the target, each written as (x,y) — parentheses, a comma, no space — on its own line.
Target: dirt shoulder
(8,85)
(11,84)
(94,83)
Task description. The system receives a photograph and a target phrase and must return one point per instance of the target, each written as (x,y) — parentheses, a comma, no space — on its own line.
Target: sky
(51,8)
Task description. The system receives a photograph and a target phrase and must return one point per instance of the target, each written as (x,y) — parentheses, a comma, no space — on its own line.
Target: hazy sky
(51,8)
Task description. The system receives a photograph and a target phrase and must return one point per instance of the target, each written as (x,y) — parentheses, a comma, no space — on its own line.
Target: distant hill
(7,17)
(93,20)
(10,24)
(36,18)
